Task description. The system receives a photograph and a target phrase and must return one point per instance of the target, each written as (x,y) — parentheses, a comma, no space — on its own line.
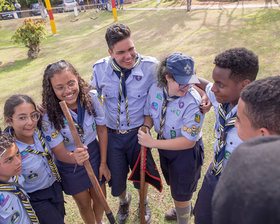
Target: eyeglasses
(69,85)
(35,116)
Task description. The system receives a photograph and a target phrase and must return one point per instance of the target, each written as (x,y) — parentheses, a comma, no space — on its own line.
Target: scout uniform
(12,209)
(230,141)
(181,168)
(75,178)
(41,178)
(124,113)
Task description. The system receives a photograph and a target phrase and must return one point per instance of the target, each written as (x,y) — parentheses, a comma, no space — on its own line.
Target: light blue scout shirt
(55,137)
(35,168)
(11,209)
(105,80)
(232,139)
(183,117)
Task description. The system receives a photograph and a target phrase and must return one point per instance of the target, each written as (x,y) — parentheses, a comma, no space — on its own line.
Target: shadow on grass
(15,65)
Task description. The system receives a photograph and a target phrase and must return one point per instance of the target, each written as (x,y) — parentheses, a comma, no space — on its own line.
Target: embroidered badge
(193,131)
(173,134)
(159,96)
(188,69)
(197,118)
(48,138)
(177,112)
(66,139)
(32,176)
(154,106)
(138,77)
(45,125)
(93,126)
(54,134)
(227,154)
(24,154)
(3,200)
(181,104)
(15,218)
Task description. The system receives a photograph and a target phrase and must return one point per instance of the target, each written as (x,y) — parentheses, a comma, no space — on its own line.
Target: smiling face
(10,163)
(66,87)
(24,121)
(175,89)
(225,89)
(124,53)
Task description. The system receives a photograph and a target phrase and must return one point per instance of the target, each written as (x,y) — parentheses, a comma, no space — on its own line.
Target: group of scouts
(39,159)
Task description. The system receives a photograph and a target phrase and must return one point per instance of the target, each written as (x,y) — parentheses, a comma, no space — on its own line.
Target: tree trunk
(33,51)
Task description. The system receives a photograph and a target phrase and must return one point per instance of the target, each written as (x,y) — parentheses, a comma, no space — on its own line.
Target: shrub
(30,34)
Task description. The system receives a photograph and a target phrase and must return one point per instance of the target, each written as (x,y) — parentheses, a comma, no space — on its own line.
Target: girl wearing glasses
(61,81)
(42,180)
(172,107)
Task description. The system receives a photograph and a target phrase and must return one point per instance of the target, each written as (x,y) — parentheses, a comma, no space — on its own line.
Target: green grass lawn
(201,34)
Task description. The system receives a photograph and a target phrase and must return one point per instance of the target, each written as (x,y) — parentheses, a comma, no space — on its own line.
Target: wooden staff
(142,182)
(87,165)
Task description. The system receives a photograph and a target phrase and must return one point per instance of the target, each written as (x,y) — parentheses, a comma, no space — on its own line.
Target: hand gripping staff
(87,165)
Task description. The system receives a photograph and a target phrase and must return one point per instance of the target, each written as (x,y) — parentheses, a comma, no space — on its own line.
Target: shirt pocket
(89,124)
(139,94)
(33,168)
(173,126)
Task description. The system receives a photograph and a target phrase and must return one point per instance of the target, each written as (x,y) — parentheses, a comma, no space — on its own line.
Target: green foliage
(6,5)
(30,34)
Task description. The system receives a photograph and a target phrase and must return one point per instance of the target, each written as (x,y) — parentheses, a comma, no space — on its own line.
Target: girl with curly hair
(61,81)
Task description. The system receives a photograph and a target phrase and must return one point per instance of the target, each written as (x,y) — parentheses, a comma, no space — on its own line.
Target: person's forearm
(179,143)
(203,83)
(148,121)
(103,142)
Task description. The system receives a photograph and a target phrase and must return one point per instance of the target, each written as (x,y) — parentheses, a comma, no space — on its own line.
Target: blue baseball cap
(181,66)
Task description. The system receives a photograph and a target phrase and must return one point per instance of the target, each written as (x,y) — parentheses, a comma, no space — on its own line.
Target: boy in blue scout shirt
(41,177)
(123,80)
(14,203)
(254,165)
(172,107)
(234,69)
(61,81)
(258,112)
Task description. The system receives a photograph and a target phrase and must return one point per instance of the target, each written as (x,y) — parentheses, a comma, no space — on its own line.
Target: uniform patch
(32,176)
(227,154)
(192,130)
(177,112)
(66,139)
(24,154)
(45,125)
(159,96)
(93,126)
(173,134)
(138,77)
(181,104)
(154,106)
(197,118)
(65,121)
(15,217)
(54,134)
(48,138)
(3,200)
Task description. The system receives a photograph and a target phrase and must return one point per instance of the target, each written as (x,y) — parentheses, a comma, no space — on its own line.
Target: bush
(30,34)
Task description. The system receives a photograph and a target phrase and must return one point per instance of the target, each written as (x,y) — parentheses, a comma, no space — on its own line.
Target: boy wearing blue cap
(123,80)
(234,69)
(172,107)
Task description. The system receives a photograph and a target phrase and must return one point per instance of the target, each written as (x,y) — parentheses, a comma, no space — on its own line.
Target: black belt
(110,130)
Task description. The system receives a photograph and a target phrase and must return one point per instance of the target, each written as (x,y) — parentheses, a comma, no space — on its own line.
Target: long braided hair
(50,100)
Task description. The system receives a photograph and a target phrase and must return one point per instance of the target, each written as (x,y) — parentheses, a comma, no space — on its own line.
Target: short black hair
(243,63)
(116,33)
(262,103)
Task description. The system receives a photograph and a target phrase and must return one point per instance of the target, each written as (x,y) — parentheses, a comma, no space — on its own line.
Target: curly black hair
(50,100)
(14,101)
(116,33)
(6,141)
(162,72)
(242,62)
(262,103)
